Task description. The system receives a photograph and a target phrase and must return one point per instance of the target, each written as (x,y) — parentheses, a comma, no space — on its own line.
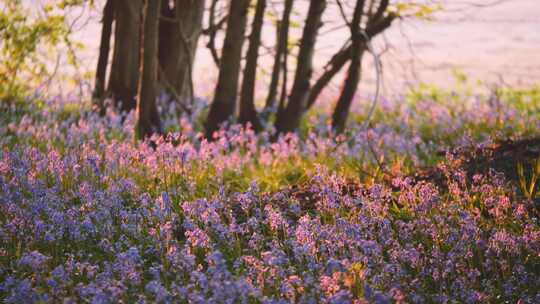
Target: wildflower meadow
(88,215)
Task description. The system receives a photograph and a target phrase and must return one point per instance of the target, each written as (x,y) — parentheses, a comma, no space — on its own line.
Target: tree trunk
(248,112)
(281,51)
(339,118)
(212,30)
(289,119)
(341,111)
(179,33)
(148,121)
(375,24)
(224,104)
(125,66)
(334,66)
(103,59)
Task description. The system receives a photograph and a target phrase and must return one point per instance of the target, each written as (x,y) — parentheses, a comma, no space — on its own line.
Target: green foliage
(23,38)
(417,9)
(529,186)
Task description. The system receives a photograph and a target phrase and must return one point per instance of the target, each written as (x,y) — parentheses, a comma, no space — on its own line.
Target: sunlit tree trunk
(148,121)
(338,61)
(281,51)
(248,112)
(353,76)
(376,23)
(125,65)
(179,31)
(224,103)
(289,119)
(103,57)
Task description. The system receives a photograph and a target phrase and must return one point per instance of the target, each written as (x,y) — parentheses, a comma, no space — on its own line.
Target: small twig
(342,12)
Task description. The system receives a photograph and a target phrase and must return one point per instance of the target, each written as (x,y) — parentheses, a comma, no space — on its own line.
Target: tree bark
(334,66)
(179,32)
(281,51)
(125,66)
(224,103)
(103,58)
(376,23)
(341,58)
(212,30)
(148,121)
(341,111)
(289,119)
(248,112)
